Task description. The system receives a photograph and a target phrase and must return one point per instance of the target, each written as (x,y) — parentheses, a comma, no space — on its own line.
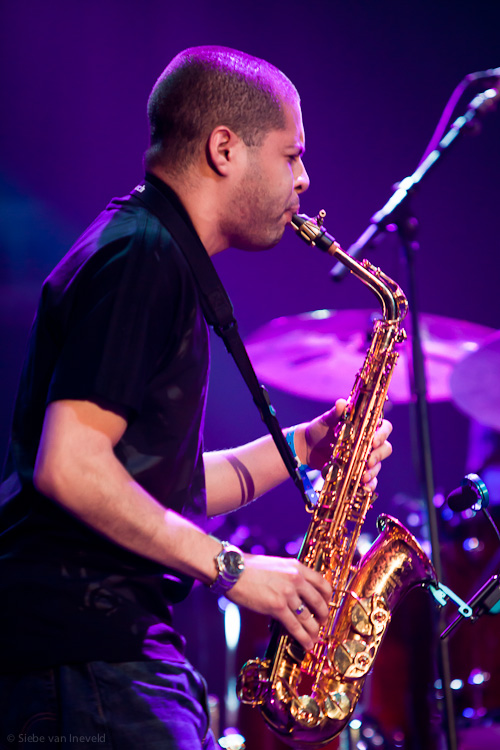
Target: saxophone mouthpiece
(312,231)
(298,220)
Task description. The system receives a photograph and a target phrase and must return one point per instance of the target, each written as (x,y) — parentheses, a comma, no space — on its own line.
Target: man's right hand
(286,590)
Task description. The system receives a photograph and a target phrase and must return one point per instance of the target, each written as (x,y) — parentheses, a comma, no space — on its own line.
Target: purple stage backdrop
(374,77)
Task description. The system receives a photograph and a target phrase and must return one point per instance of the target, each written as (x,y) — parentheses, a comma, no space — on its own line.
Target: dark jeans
(150,705)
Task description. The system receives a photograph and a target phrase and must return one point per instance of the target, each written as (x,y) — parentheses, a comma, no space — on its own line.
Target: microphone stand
(485,601)
(397,211)
(385,217)
(407,227)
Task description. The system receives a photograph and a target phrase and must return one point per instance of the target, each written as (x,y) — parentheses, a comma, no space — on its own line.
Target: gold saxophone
(307,698)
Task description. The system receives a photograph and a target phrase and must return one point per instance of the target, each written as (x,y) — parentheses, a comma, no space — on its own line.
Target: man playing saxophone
(106,488)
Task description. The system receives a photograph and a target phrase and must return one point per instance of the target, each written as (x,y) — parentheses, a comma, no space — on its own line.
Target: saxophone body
(308,698)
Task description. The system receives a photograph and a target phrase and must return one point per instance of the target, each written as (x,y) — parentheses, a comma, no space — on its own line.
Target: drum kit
(316,356)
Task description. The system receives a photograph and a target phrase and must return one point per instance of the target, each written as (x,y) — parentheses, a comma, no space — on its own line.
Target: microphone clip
(442,594)
(472,493)
(484,601)
(478,487)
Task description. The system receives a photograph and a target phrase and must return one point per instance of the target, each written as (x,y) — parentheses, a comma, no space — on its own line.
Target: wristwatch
(230,565)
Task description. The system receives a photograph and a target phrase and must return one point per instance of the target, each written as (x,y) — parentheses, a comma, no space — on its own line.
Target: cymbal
(475,383)
(316,355)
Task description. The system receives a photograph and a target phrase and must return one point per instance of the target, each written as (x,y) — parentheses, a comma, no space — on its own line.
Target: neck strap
(219,314)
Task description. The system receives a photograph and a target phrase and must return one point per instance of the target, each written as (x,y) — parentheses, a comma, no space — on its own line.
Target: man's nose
(302,181)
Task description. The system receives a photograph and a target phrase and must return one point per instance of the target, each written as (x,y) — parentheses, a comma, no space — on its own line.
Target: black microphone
(472,492)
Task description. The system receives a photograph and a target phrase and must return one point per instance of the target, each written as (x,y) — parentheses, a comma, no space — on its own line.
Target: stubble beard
(250,221)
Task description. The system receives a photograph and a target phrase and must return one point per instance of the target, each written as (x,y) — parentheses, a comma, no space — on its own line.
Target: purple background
(374,78)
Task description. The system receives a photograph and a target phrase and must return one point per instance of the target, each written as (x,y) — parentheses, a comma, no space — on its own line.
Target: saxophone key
(380,616)
(353,658)
(370,616)
(337,706)
(360,617)
(306,711)
(295,651)
(253,682)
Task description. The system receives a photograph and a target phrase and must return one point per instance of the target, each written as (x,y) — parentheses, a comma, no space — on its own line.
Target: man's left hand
(313,443)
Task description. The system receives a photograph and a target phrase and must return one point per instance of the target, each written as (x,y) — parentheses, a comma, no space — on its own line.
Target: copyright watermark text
(56,739)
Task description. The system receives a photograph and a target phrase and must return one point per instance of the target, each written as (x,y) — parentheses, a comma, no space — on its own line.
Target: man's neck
(200,205)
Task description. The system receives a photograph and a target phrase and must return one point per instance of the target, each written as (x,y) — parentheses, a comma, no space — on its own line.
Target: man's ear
(223,147)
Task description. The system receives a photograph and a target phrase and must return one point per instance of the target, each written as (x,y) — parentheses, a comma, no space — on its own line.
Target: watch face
(233,562)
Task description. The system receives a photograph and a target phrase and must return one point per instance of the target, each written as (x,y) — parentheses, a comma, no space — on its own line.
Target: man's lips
(293,209)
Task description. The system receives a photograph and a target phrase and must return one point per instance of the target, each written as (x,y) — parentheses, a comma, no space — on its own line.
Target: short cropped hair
(204,87)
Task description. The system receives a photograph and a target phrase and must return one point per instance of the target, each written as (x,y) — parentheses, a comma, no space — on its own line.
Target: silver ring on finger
(299,609)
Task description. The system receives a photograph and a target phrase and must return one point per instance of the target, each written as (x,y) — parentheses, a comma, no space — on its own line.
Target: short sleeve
(121,319)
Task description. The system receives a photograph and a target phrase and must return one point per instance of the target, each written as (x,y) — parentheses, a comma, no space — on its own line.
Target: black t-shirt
(119,322)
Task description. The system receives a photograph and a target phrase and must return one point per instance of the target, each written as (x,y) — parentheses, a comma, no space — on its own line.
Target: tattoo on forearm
(245,479)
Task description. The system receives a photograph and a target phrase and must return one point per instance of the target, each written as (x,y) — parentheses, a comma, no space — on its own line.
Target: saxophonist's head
(227,135)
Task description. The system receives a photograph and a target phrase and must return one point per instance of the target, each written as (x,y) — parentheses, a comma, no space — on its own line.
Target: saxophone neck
(391,297)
